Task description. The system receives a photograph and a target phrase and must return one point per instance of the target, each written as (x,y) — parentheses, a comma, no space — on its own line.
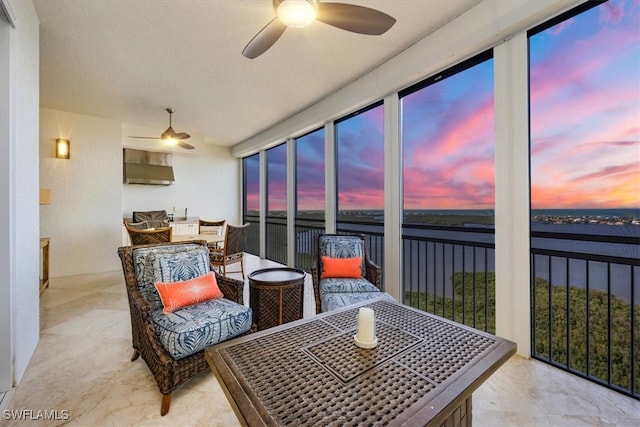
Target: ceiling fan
(171,135)
(300,13)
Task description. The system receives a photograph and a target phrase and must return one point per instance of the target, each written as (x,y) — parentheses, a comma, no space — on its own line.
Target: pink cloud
(466,183)
(455,167)
(469,130)
(585,119)
(552,77)
(629,169)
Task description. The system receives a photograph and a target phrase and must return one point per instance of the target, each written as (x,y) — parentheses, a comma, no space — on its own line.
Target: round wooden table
(276,296)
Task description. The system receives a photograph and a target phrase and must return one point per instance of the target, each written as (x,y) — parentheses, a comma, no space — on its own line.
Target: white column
(291,202)
(330,177)
(7,227)
(512,193)
(392,196)
(263,203)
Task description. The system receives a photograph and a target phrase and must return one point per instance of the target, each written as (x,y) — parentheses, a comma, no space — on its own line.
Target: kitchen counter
(176,220)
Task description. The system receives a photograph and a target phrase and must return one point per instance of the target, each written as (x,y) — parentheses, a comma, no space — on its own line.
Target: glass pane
(310,195)
(360,166)
(277,180)
(448,201)
(310,175)
(585,187)
(276,221)
(252,185)
(251,171)
(448,150)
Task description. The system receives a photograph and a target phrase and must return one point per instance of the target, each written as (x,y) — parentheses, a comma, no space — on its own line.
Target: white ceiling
(129,59)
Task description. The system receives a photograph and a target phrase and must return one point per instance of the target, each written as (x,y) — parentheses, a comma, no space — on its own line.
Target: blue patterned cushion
(341,247)
(331,301)
(337,285)
(168,264)
(191,329)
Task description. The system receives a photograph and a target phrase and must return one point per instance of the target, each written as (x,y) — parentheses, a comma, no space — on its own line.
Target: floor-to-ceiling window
(448,194)
(251,203)
(360,177)
(585,192)
(310,195)
(276,218)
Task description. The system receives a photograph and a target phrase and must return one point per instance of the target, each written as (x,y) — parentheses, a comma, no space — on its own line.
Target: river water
(434,263)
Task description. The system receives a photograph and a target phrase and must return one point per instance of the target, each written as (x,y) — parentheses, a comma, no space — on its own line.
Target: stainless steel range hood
(147,167)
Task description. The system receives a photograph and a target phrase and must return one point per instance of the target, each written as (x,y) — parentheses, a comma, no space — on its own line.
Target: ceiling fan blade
(185,145)
(168,134)
(181,135)
(264,39)
(171,134)
(357,19)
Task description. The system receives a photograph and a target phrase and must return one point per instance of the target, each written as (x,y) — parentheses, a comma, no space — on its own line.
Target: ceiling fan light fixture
(168,134)
(297,13)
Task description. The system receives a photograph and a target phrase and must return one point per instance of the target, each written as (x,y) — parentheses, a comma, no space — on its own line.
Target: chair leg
(135,355)
(166,402)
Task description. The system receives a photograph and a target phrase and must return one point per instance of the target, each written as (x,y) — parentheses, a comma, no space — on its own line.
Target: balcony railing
(306,232)
(449,271)
(252,241)
(374,237)
(308,229)
(586,307)
(276,239)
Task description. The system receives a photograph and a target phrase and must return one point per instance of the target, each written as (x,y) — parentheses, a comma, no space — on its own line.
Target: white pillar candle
(366,325)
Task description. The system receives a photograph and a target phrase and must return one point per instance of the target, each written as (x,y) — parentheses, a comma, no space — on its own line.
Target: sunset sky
(448,142)
(310,171)
(252,175)
(585,110)
(360,160)
(585,130)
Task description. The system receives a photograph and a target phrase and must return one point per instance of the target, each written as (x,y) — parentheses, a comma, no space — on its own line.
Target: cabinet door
(180,229)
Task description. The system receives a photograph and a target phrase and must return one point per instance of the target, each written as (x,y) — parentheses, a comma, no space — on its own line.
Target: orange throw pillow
(341,267)
(175,295)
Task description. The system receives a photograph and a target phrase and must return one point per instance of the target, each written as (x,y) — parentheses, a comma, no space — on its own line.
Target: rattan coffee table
(276,296)
(310,373)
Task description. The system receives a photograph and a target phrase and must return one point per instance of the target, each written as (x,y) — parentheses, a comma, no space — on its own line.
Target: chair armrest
(139,301)
(232,289)
(152,342)
(373,273)
(136,299)
(315,277)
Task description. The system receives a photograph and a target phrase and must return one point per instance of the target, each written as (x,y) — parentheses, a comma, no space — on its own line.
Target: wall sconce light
(45,196)
(63,149)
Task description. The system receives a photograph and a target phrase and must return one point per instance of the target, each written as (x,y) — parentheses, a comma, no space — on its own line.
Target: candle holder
(366,332)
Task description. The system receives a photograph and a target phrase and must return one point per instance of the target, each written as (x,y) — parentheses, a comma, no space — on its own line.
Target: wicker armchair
(209,321)
(141,225)
(150,235)
(332,293)
(233,250)
(154,218)
(211,227)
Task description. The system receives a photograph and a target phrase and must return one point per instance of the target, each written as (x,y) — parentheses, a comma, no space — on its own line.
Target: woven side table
(276,296)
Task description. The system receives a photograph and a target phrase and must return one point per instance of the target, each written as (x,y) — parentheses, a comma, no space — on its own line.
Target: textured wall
(84,217)
(19,99)
(89,200)
(206,182)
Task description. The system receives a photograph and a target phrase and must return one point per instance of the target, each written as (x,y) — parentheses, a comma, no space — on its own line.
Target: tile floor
(81,365)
